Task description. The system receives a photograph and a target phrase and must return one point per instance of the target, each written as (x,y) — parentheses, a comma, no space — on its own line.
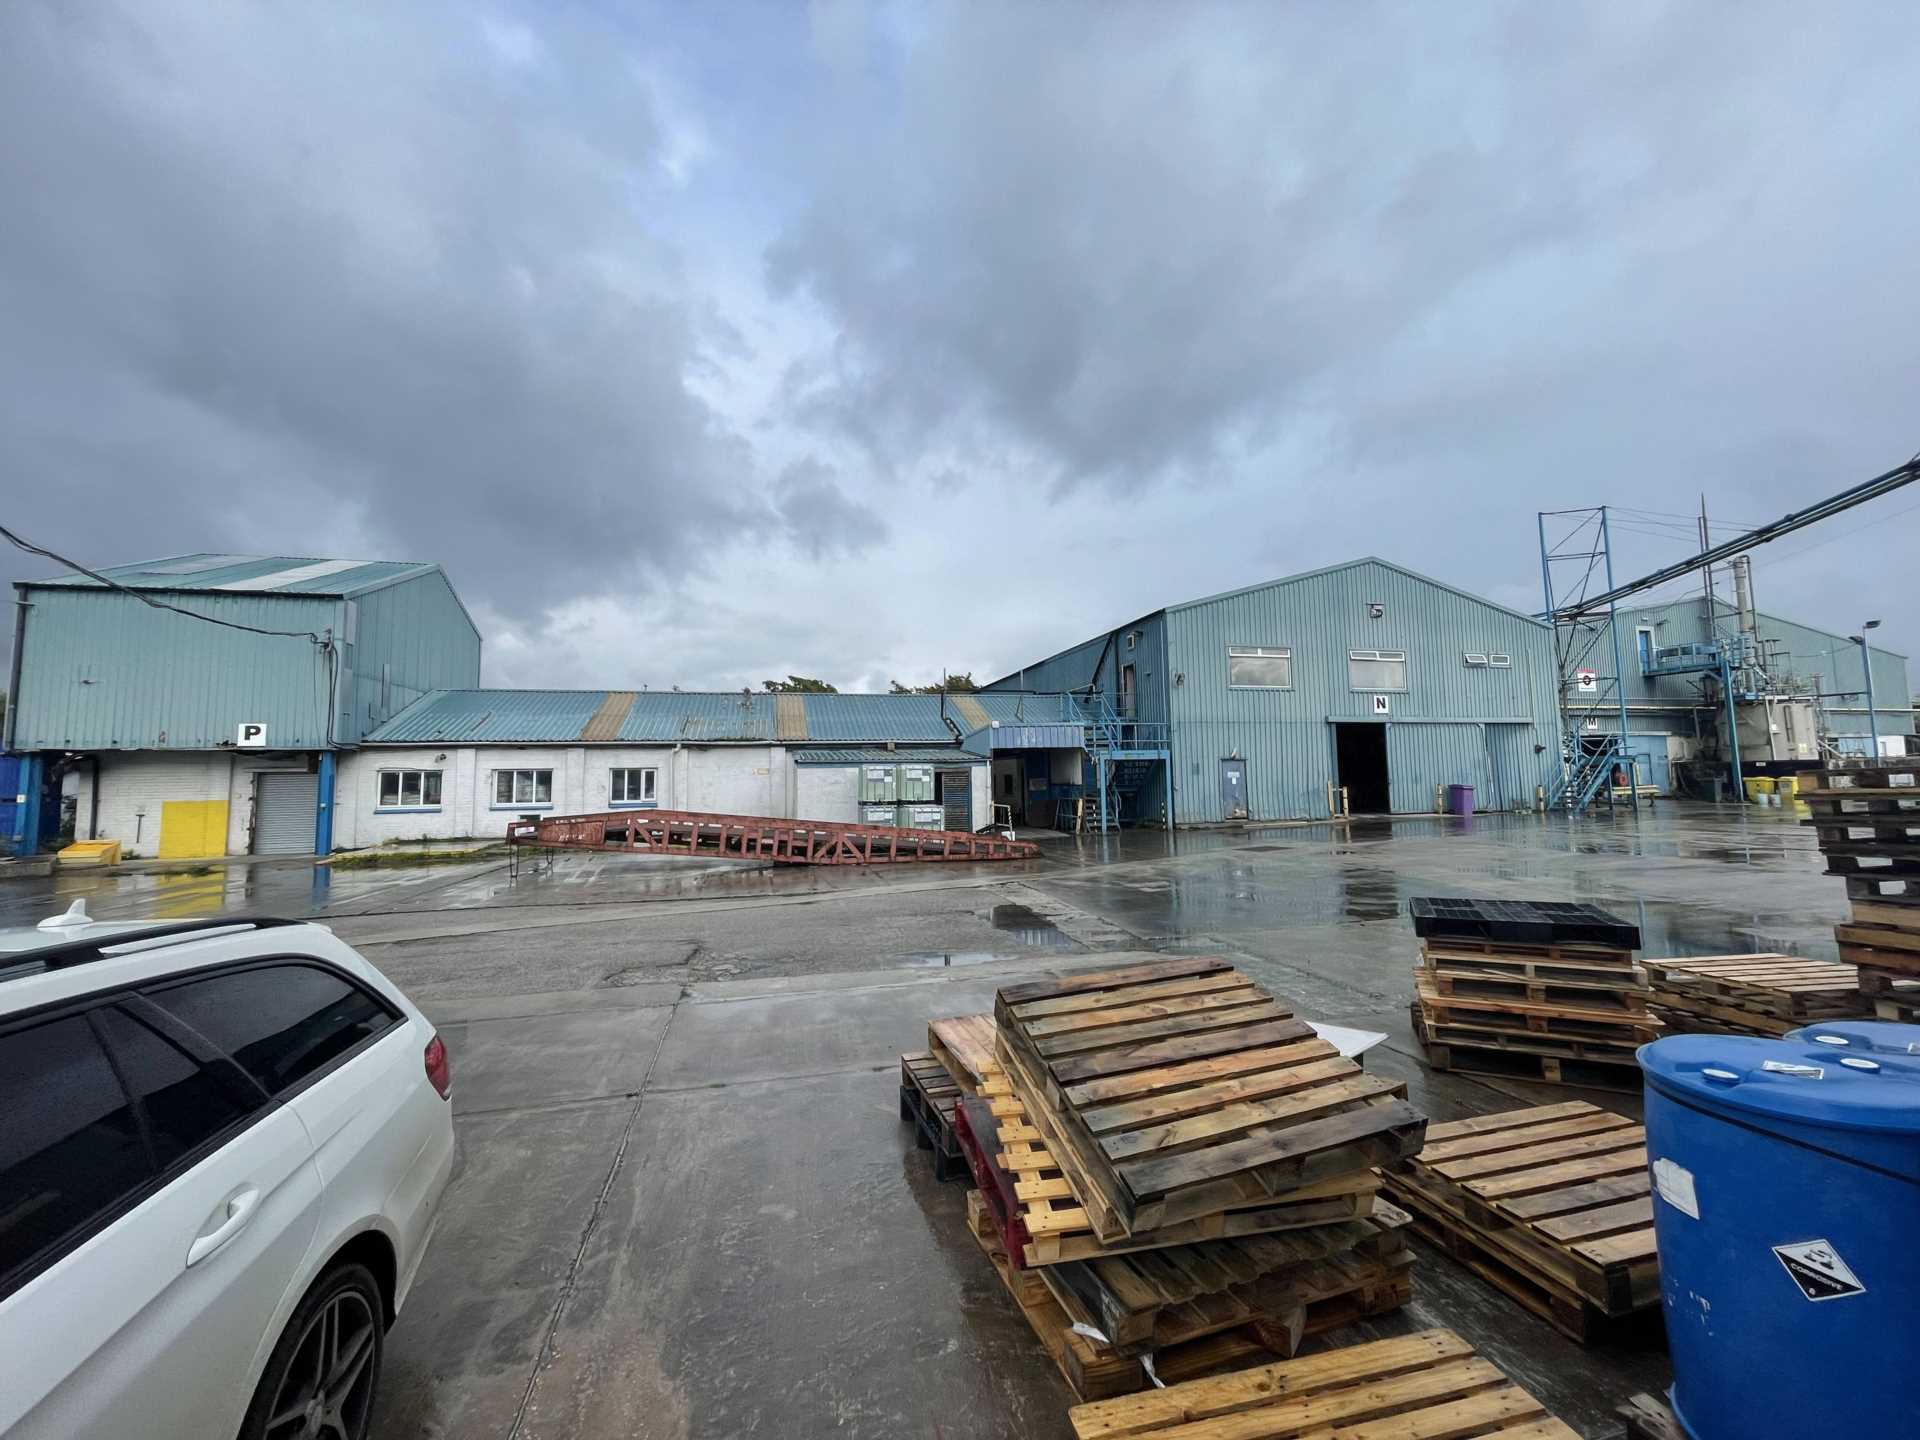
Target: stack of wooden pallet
(1868,821)
(1532,990)
(1749,994)
(1172,1166)
(1427,1386)
(1550,1204)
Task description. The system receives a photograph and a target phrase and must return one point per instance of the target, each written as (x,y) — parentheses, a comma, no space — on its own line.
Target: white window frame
(1475,660)
(398,805)
(533,774)
(1259,652)
(1500,662)
(619,777)
(1380,656)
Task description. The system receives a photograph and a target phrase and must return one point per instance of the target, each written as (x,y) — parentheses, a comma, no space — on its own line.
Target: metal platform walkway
(761,838)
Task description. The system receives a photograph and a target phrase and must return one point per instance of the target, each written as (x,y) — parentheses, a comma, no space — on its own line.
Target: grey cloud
(820,517)
(350,273)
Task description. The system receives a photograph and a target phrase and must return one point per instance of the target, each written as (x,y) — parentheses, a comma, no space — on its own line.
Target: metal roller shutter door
(285,807)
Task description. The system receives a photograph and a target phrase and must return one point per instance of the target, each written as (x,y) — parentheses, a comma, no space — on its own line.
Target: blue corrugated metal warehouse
(182,738)
(1365,676)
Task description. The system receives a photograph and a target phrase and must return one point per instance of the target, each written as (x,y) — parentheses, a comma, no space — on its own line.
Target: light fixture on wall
(440,757)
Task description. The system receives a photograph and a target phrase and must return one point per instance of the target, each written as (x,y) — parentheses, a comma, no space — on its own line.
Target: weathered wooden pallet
(1151,1299)
(1884,889)
(1895,963)
(1095,1371)
(1526,967)
(1177,1090)
(1521,1056)
(1427,1386)
(1046,1224)
(1559,1193)
(1902,831)
(963,1043)
(1893,910)
(1840,804)
(1690,1015)
(1586,1021)
(1880,776)
(927,1099)
(1893,984)
(1537,957)
(1873,862)
(1781,987)
(1879,937)
(1648,1417)
(1626,996)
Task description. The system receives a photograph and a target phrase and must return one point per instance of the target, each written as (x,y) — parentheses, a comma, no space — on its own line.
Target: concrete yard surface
(688,1206)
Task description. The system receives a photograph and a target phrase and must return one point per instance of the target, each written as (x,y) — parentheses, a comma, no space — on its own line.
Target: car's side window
(184,1103)
(281,1022)
(70,1147)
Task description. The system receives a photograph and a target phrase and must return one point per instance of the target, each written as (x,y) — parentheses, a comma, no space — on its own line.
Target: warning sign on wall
(1586,681)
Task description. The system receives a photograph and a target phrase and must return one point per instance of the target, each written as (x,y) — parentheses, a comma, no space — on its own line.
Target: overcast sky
(705,343)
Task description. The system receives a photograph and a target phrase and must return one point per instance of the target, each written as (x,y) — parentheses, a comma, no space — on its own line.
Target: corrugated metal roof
(256,574)
(876,755)
(532,717)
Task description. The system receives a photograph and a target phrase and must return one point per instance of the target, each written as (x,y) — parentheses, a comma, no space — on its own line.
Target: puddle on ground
(1029,927)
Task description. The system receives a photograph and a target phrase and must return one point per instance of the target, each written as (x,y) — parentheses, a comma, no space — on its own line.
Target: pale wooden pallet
(1559,1193)
(1762,994)
(1429,1386)
(1181,1089)
(964,1044)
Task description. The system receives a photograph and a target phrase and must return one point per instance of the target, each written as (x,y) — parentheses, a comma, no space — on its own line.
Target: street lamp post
(1866,664)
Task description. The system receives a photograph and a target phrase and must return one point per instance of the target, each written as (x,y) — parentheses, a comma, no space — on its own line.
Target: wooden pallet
(1178,1090)
(1648,1417)
(927,1099)
(1752,994)
(1045,1223)
(1584,1021)
(1894,964)
(1152,1299)
(1901,829)
(1537,957)
(1625,996)
(1877,776)
(1555,1196)
(1883,889)
(1844,804)
(1427,1386)
(1522,1056)
(1894,912)
(964,1044)
(1095,1371)
(1873,862)
(1893,984)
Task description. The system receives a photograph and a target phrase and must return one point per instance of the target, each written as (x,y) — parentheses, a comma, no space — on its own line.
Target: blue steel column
(27,826)
(323,811)
(1619,668)
(1559,679)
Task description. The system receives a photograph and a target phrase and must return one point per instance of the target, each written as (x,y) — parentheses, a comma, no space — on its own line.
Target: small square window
(522,787)
(633,786)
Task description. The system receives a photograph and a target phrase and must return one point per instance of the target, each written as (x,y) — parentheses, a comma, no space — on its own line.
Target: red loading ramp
(759,837)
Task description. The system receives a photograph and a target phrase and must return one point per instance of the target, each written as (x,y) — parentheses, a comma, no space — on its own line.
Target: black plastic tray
(1521,921)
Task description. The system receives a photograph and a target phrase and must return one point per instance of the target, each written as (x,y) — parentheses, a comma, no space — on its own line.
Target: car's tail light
(439,1070)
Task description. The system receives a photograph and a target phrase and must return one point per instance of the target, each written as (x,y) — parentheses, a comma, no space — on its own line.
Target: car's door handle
(240,1207)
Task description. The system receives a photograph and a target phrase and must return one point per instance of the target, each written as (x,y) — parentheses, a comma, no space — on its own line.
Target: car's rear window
(281,1022)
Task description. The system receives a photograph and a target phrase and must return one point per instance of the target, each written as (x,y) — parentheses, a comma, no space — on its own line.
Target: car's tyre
(319,1383)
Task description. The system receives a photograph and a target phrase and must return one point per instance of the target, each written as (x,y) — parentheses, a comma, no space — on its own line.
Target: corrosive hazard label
(1816,1267)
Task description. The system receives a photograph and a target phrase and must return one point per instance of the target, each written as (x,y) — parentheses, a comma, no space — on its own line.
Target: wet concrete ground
(689,1208)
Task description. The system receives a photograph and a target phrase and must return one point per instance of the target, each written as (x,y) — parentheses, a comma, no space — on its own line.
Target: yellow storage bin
(1758,785)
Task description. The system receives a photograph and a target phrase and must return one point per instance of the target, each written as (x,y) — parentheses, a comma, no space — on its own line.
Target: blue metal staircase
(1585,774)
(1124,752)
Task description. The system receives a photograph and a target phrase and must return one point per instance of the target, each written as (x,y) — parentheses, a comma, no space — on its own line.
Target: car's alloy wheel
(327,1387)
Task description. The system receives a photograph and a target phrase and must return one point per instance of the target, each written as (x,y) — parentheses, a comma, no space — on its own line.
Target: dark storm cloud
(302,277)
(1450,264)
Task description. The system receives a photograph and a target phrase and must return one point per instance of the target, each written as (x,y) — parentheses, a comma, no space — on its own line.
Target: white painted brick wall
(133,786)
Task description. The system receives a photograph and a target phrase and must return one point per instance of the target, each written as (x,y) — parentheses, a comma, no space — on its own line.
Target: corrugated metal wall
(1453,724)
(102,671)
(1794,649)
(418,631)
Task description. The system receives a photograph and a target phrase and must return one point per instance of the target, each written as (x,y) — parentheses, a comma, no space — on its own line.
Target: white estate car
(223,1146)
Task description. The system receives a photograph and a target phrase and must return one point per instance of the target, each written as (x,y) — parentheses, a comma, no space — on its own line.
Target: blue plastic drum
(1786,1177)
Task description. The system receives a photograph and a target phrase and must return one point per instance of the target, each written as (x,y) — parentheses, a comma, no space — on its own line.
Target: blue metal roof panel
(878,717)
(482,717)
(670,716)
(256,574)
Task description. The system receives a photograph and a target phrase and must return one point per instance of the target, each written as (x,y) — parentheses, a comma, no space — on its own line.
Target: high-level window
(1377,669)
(523,787)
(409,789)
(1259,667)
